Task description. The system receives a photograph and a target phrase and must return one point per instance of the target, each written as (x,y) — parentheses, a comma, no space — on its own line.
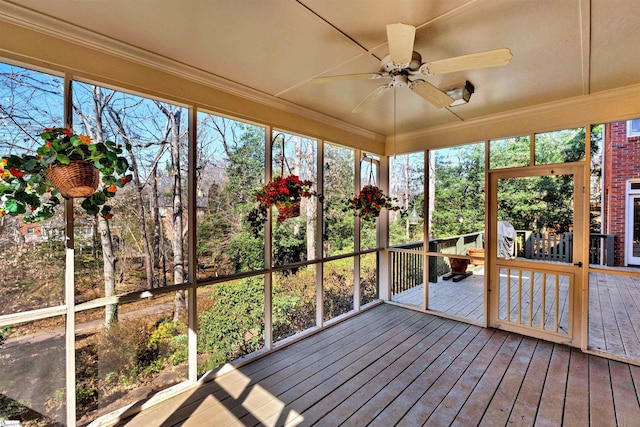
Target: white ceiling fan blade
(361,76)
(489,58)
(431,93)
(370,99)
(401,38)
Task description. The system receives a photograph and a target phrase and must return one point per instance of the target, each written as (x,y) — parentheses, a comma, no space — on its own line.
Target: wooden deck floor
(614,314)
(463,299)
(614,307)
(393,366)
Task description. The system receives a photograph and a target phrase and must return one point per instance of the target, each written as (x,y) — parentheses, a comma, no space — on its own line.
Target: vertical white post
(268,246)
(69,273)
(319,241)
(426,228)
(70,326)
(356,234)
(191,255)
(382,237)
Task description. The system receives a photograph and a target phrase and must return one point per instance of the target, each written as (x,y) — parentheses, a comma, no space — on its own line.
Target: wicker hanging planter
(77,179)
(286,211)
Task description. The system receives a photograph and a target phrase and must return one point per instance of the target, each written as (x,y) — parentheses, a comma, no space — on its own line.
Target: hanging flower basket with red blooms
(285,193)
(66,164)
(370,202)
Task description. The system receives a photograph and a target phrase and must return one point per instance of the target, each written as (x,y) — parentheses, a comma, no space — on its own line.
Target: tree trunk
(109,270)
(108,257)
(148,262)
(155,213)
(139,202)
(176,241)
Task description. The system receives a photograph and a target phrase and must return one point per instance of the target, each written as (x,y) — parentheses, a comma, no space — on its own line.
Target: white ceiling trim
(555,109)
(70,33)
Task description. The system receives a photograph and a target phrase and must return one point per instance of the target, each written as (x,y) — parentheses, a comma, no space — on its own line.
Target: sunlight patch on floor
(258,401)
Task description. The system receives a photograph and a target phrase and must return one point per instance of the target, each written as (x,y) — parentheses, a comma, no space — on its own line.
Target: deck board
(450,405)
(624,394)
(336,407)
(614,306)
(526,405)
(408,400)
(430,399)
(602,411)
(394,366)
(551,407)
(501,405)
(576,412)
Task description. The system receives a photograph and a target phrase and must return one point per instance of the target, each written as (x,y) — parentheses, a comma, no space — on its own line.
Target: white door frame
(631,195)
(574,271)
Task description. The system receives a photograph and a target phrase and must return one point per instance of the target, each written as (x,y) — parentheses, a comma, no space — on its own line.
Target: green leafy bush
(234,326)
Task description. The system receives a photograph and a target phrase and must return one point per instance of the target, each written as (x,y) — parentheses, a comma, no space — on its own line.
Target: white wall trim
(606,106)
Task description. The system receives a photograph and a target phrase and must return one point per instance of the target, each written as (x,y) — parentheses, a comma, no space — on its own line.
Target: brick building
(621,185)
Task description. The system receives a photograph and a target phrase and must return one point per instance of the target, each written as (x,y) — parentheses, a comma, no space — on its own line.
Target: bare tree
(138,186)
(173,137)
(95,129)
(109,269)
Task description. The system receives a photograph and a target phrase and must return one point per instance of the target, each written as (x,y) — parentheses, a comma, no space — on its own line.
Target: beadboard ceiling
(561,48)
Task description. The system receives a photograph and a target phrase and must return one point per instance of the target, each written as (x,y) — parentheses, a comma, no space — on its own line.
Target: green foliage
(3,332)
(338,287)
(136,348)
(234,326)
(24,179)
(560,146)
(368,278)
(339,181)
(163,338)
(246,251)
(459,191)
(294,303)
(291,247)
(225,240)
(368,235)
(20,411)
(179,349)
(509,153)
(85,396)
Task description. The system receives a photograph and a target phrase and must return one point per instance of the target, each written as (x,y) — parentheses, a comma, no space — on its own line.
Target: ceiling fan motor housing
(399,80)
(387,65)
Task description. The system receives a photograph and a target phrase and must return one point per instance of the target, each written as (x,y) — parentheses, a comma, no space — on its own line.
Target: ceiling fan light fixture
(461,95)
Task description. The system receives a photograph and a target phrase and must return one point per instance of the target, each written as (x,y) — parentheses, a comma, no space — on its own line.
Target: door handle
(578,264)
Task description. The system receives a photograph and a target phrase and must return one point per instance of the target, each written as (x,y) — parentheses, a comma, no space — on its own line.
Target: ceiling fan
(405,68)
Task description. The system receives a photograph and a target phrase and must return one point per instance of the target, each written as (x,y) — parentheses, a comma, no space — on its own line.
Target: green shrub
(234,326)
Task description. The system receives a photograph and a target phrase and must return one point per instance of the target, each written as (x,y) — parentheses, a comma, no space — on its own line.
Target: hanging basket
(286,211)
(77,179)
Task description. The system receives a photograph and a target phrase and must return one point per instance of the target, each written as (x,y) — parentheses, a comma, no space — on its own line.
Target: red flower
(16,172)
(108,216)
(67,132)
(112,189)
(125,179)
